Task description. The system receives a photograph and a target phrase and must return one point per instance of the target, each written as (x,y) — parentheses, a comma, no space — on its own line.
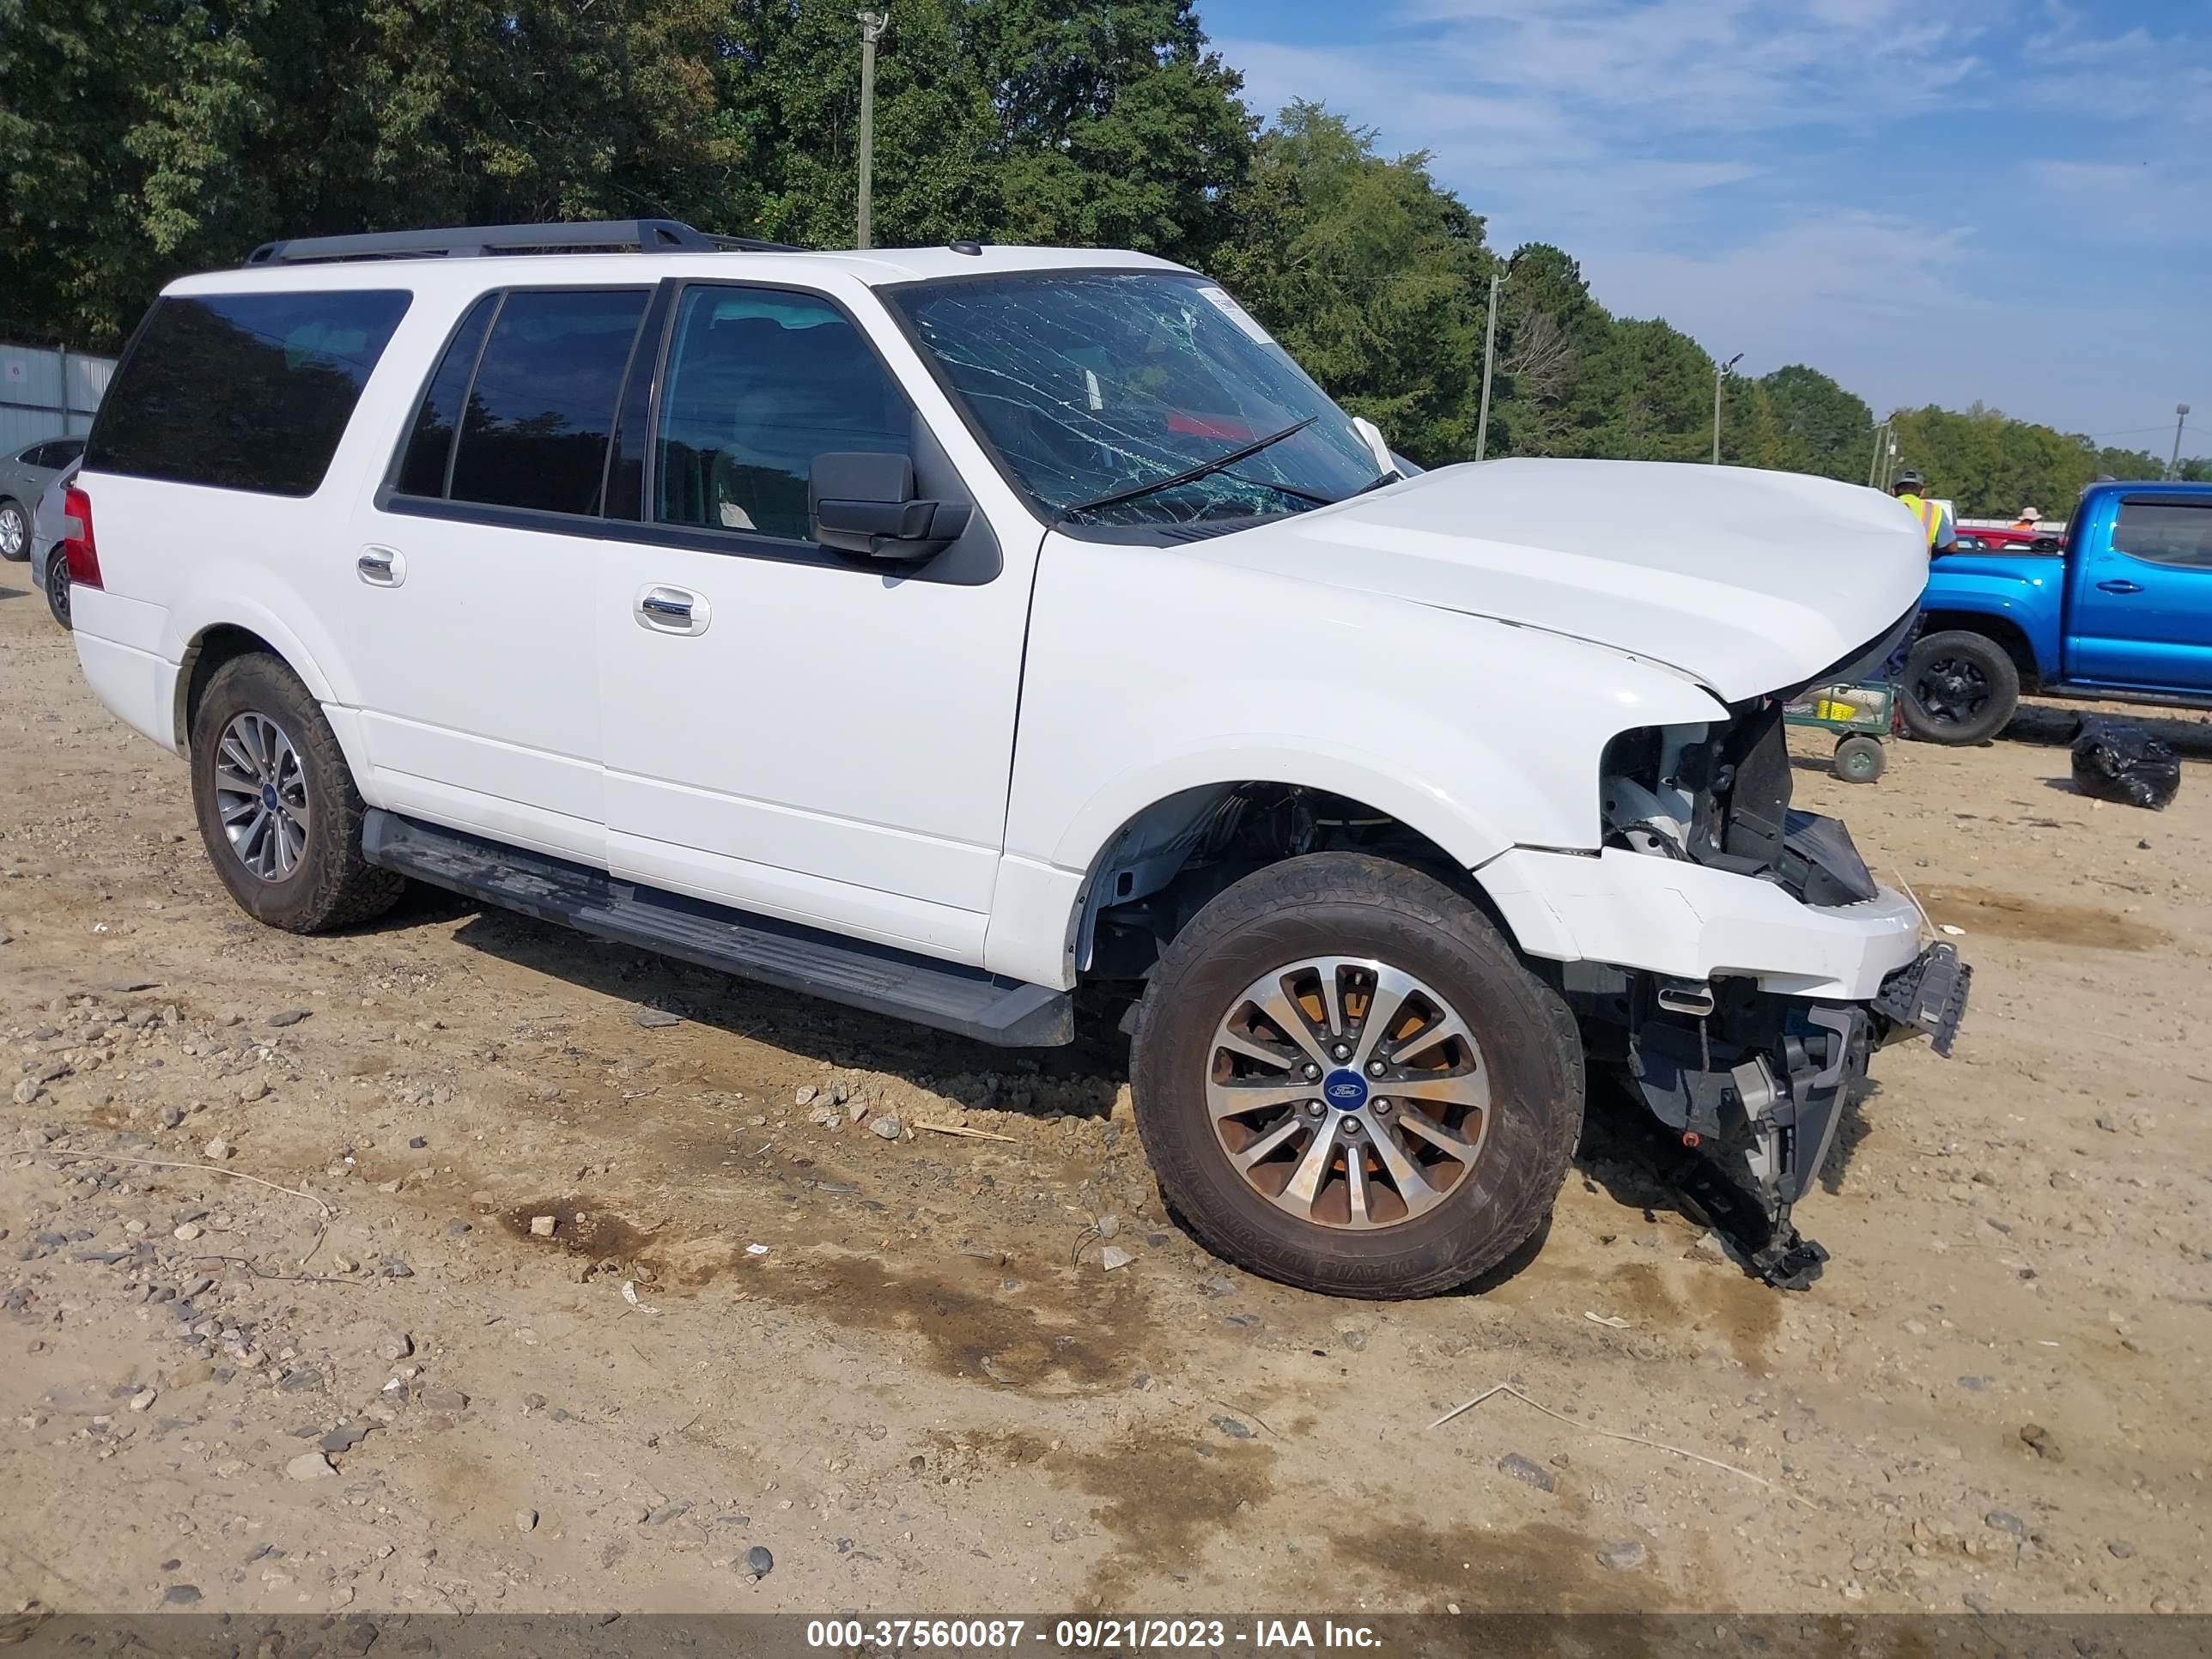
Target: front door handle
(2119,585)
(381,567)
(670,611)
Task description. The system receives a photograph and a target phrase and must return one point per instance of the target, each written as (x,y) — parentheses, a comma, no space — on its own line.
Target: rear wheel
(1960,687)
(15,531)
(58,587)
(1347,1080)
(276,804)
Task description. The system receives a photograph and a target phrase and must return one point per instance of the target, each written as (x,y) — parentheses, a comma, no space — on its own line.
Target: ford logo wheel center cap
(1346,1090)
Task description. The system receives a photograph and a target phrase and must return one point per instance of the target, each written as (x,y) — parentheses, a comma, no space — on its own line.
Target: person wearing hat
(1935,516)
(2030,518)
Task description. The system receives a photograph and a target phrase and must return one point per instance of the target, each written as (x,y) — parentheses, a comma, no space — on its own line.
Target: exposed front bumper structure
(1693,922)
(1741,1018)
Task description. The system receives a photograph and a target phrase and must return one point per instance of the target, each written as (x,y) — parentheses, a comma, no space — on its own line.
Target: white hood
(1747,580)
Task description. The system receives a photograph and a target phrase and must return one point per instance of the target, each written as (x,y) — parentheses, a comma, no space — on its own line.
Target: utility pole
(1874,462)
(1489,355)
(2180,415)
(873,24)
(1720,373)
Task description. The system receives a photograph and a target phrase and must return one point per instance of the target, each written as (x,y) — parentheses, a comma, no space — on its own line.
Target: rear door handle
(381,567)
(670,611)
(2119,585)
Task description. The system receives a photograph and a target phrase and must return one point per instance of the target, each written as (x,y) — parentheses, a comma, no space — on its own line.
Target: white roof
(877,267)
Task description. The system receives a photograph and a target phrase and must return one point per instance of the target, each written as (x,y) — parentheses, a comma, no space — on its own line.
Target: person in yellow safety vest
(1935,516)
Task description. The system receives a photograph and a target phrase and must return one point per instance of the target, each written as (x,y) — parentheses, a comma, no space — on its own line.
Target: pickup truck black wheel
(1960,687)
(1347,1080)
(276,804)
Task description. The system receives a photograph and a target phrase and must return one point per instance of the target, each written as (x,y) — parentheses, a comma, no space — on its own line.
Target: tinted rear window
(534,431)
(430,440)
(243,390)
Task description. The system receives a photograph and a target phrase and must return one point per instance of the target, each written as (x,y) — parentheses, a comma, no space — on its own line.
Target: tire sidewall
(57,587)
(1535,1086)
(22,517)
(1997,668)
(260,686)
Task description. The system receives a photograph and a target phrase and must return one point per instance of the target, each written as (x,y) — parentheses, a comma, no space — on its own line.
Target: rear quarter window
(247,392)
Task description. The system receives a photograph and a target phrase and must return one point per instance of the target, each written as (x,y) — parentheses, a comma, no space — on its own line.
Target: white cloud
(1933,202)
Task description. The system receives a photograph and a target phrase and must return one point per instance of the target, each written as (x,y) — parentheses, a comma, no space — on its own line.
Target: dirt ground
(898,1364)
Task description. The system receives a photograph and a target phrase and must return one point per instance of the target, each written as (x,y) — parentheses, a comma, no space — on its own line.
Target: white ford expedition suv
(940,631)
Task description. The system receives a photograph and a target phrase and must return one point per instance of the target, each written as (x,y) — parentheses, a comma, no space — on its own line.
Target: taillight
(78,546)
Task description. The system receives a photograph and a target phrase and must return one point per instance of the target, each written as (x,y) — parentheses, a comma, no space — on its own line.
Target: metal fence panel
(45,393)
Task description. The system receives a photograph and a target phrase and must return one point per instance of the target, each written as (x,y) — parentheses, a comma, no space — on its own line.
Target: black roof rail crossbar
(597,236)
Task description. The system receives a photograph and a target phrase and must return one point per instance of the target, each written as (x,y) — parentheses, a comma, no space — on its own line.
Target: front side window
(246,392)
(1125,397)
(759,382)
(535,422)
(2165,532)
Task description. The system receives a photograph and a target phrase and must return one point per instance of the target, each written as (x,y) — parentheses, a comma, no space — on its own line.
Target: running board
(944,995)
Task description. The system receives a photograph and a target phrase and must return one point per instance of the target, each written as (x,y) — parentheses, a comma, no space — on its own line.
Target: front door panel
(799,733)
(2142,601)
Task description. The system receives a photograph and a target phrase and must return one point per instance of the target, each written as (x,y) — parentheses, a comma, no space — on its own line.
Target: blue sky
(1936,201)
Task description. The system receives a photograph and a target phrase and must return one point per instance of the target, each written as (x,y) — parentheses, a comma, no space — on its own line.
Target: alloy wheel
(1347,1093)
(13,531)
(261,795)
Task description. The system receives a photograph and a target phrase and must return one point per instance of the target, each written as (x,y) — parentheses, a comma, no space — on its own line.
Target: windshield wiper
(1297,491)
(1191,474)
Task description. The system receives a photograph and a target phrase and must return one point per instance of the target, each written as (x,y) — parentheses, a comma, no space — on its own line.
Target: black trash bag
(2124,763)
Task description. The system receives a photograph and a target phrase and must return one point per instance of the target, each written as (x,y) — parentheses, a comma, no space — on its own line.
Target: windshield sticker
(1220,301)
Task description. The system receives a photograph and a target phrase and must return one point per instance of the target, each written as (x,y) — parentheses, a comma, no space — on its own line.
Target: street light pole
(873,24)
(2180,415)
(1720,372)
(1489,354)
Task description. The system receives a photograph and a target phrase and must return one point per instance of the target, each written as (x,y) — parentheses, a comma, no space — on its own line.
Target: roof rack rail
(463,242)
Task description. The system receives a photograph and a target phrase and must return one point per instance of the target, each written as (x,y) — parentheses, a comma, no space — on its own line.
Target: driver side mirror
(865,503)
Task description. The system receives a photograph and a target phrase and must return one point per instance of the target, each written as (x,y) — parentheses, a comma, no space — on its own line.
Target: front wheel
(15,531)
(1347,1080)
(1960,687)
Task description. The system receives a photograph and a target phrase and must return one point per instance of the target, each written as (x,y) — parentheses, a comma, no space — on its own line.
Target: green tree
(1988,464)
(1554,343)
(1369,274)
(1029,120)
(121,148)
(1824,429)
(142,141)
(1659,384)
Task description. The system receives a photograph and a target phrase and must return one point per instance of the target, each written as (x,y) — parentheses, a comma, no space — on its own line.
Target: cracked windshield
(1137,398)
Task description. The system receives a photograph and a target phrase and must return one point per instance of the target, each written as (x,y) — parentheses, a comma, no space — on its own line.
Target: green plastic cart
(1861,715)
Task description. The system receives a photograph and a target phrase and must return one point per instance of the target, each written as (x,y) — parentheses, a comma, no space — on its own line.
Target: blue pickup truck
(2121,609)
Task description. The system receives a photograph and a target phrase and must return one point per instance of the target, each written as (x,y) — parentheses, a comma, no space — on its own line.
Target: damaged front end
(1750,1079)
